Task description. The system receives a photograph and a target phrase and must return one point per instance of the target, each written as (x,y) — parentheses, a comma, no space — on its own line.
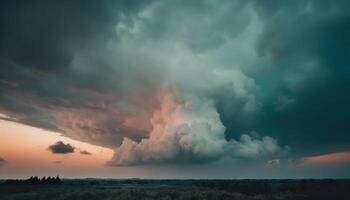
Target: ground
(96,189)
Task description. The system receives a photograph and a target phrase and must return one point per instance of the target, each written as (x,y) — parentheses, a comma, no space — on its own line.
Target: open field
(96,189)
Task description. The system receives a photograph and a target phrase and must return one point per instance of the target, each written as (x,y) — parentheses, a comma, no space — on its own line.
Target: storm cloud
(190,132)
(61,148)
(180,81)
(310,97)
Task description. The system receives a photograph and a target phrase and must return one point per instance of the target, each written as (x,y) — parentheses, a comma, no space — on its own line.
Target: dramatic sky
(175,88)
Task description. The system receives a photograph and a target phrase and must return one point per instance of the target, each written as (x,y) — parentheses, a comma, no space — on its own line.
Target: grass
(181,189)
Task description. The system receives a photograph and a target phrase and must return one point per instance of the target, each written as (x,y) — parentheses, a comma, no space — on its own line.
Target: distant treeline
(34,180)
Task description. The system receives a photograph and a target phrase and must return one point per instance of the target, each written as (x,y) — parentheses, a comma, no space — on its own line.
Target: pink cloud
(326,159)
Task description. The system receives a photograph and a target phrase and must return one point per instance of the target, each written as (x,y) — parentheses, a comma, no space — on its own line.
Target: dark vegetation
(34,180)
(98,189)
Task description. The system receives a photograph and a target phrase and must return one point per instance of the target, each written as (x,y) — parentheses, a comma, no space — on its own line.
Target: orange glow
(332,158)
(24,146)
(25,149)
(167,113)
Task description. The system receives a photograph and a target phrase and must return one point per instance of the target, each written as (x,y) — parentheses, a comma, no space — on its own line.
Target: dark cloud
(95,71)
(61,148)
(312,61)
(43,35)
(84,152)
(47,73)
(303,76)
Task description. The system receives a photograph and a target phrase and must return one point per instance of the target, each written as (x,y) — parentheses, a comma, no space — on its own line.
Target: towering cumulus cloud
(189,130)
(164,81)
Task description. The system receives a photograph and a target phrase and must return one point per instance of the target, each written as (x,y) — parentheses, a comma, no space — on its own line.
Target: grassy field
(180,189)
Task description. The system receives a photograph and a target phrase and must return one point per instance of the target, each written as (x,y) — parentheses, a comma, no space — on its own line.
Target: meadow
(138,189)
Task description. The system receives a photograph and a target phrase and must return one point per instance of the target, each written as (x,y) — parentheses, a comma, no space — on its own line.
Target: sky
(175,89)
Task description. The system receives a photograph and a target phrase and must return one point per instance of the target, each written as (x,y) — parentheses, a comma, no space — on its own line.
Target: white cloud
(187,131)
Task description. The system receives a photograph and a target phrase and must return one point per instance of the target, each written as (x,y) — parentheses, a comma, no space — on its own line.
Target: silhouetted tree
(34,180)
(57,180)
